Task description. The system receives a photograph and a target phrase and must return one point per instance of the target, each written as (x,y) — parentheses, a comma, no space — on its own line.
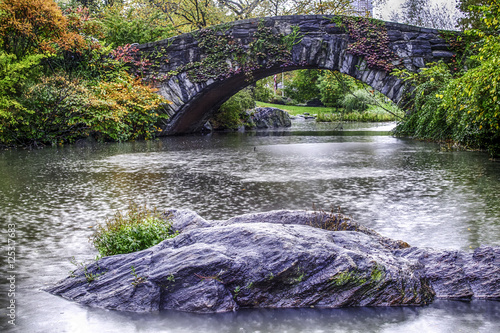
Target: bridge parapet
(199,71)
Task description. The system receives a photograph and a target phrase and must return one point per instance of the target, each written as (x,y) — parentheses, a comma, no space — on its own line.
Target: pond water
(404,189)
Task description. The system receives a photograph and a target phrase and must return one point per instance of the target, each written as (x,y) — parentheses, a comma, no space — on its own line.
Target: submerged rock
(280,259)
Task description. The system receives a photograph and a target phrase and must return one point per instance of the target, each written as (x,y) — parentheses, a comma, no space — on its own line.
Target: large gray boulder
(267,117)
(280,259)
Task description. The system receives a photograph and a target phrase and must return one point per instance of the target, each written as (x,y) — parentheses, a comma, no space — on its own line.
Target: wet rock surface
(280,259)
(268,117)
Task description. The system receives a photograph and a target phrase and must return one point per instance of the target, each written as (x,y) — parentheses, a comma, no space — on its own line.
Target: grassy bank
(373,114)
(296,110)
(326,114)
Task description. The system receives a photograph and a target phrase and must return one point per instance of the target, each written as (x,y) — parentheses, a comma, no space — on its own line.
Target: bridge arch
(199,71)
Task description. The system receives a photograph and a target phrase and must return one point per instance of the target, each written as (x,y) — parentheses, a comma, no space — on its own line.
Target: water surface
(405,189)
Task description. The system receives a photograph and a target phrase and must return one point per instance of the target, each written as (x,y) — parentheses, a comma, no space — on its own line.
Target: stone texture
(323,46)
(266,117)
(280,259)
(460,275)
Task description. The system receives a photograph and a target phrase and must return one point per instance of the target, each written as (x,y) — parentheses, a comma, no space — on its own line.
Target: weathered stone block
(442,54)
(440,47)
(266,117)
(240,33)
(419,62)
(426,36)
(410,35)
(395,35)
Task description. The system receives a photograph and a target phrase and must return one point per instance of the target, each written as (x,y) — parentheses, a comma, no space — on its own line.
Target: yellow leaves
(491,23)
(439,96)
(432,79)
(39,24)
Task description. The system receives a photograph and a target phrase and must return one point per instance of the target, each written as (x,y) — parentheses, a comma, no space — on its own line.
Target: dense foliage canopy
(64,73)
(459,101)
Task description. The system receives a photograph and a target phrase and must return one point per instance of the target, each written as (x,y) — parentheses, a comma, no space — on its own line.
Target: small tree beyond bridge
(199,71)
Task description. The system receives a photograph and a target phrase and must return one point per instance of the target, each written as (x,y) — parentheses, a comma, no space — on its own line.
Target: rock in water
(267,117)
(280,259)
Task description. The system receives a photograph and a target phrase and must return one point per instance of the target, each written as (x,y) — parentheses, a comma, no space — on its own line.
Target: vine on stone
(226,56)
(462,46)
(370,41)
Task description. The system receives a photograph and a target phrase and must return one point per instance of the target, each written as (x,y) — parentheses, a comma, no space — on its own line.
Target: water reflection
(404,189)
(441,316)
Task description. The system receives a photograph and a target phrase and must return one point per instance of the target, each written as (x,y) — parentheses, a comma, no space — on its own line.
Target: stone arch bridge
(199,71)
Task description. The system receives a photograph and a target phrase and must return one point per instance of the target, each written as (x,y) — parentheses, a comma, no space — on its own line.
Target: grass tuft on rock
(137,229)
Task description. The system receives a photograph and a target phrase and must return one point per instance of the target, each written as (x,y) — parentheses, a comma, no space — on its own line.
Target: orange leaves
(128,109)
(35,26)
(64,109)
(80,22)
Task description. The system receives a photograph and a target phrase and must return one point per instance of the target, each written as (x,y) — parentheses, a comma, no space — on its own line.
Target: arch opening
(328,96)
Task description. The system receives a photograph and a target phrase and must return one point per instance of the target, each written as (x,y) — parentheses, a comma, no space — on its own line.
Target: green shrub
(358,100)
(366,116)
(263,91)
(303,86)
(332,90)
(47,114)
(14,73)
(138,229)
(457,103)
(426,119)
(231,112)
(59,110)
(139,22)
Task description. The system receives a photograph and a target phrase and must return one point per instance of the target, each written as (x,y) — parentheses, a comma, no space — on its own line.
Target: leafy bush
(303,86)
(473,100)
(32,25)
(426,119)
(139,22)
(263,91)
(460,103)
(126,110)
(81,87)
(231,112)
(358,100)
(85,58)
(13,75)
(365,116)
(61,110)
(138,229)
(333,87)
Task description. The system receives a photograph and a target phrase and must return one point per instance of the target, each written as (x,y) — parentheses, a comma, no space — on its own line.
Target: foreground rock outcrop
(280,259)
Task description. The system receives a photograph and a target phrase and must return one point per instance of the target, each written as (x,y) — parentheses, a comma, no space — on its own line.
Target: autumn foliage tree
(59,83)
(35,26)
